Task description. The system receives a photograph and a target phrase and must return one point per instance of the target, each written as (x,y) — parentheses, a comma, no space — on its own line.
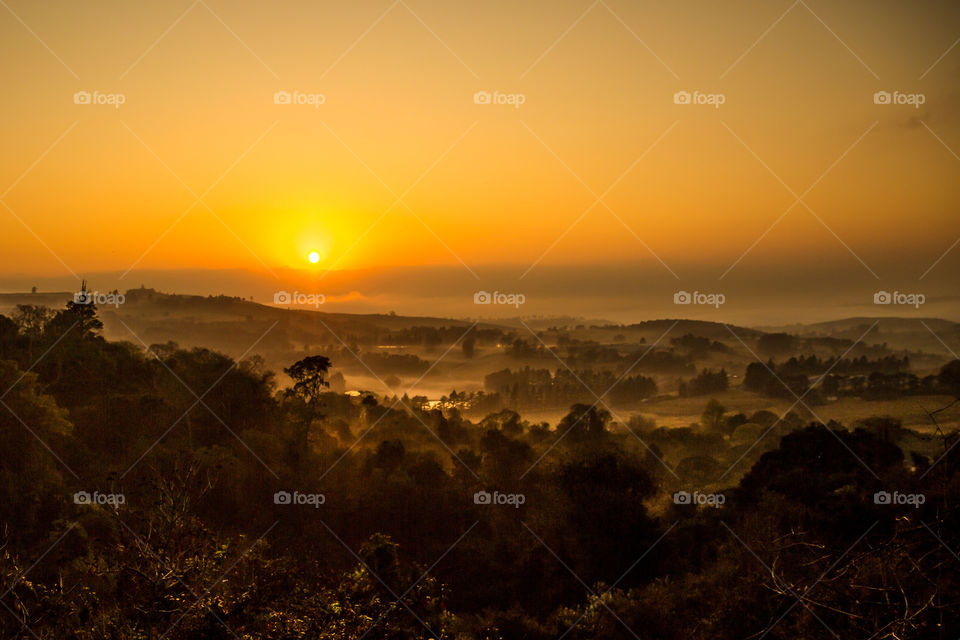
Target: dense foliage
(168,493)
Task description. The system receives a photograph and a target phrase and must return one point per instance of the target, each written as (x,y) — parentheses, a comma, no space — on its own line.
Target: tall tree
(309,380)
(309,377)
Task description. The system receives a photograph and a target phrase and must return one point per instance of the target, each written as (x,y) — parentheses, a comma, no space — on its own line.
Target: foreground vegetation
(170,493)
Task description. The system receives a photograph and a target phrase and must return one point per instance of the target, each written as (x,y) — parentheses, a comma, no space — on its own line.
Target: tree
(605,521)
(388,456)
(469,347)
(32,429)
(706,382)
(712,417)
(309,380)
(585,422)
(950,377)
(79,319)
(32,320)
(309,377)
(164,351)
(338,384)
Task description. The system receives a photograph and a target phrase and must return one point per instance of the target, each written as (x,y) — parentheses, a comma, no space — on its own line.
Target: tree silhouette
(468,346)
(712,417)
(309,377)
(950,377)
(585,423)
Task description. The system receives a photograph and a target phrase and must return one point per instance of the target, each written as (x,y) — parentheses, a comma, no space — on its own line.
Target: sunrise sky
(200,168)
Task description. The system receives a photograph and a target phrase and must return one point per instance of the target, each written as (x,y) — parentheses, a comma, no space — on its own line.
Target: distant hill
(932,335)
(891,323)
(54,300)
(369,347)
(705,328)
(155,307)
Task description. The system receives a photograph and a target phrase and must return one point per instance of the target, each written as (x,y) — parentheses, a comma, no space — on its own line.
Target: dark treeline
(884,378)
(393,363)
(643,360)
(170,493)
(699,346)
(812,365)
(882,386)
(705,383)
(619,358)
(437,336)
(529,387)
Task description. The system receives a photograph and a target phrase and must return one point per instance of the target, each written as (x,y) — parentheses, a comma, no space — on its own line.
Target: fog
(761,295)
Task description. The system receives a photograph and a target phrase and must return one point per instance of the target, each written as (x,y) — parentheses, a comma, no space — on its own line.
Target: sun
(314,257)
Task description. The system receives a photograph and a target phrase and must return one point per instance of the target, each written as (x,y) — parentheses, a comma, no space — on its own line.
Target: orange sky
(91,187)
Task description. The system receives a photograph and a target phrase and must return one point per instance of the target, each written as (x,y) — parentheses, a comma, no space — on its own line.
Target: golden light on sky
(222,134)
